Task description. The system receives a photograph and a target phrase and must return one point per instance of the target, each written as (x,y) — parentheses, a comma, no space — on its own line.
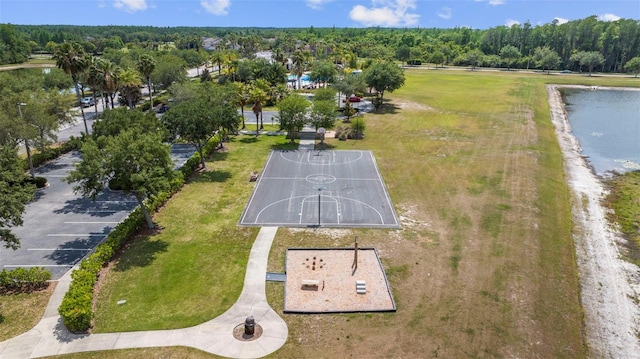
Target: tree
(15,192)
(350,84)
(633,66)
(196,121)
(107,72)
(300,61)
(170,69)
(509,53)
(474,57)
(146,65)
(325,94)
(241,97)
(13,48)
(259,95)
(70,58)
(403,53)
(129,84)
(323,71)
(323,114)
(120,119)
(546,58)
(383,76)
(293,114)
(218,57)
(591,59)
(136,163)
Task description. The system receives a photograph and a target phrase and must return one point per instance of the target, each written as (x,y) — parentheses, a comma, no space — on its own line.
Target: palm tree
(129,83)
(146,64)
(300,59)
(109,85)
(258,97)
(93,78)
(70,58)
(218,58)
(240,93)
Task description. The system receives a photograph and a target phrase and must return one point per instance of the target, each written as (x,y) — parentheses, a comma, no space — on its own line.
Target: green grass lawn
(193,269)
(484,265)
(21,312)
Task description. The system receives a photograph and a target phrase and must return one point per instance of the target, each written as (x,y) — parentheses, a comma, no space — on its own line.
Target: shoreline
(608,284)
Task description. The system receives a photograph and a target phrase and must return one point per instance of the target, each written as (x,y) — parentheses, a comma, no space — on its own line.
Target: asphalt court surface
(320,188)
(60,228)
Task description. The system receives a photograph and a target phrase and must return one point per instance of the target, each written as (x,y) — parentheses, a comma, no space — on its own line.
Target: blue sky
(477,14)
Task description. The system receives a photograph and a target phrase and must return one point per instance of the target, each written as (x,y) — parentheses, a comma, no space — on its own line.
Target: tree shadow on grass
(219,155)
(140,252)
(211,176)
(248,139)
(285,146)
(388,108)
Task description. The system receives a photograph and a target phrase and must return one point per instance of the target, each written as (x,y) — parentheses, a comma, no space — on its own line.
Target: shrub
(51,153)
(357,128)
(24,280)
(39,182)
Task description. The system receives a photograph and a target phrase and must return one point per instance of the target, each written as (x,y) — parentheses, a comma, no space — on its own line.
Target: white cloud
(496,2)
(317,4)
(386,13)
(130,5)
(608,17)
(445,13)
(561,20)
(511,22)
(216,7)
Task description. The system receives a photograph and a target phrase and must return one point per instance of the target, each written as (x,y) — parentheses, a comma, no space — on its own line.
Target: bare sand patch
(609,285)
(324,281)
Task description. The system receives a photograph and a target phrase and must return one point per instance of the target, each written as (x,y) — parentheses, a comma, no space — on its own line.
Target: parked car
(353,99)
(87,101)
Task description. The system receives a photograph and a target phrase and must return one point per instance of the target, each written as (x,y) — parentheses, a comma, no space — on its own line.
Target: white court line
(58,249)
(255,190)
(81,222)
(75,235)
(384,189)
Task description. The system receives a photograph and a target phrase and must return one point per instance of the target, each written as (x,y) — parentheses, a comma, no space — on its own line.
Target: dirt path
(609,285)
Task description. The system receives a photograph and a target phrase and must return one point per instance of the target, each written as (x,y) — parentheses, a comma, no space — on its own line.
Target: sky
(475,14)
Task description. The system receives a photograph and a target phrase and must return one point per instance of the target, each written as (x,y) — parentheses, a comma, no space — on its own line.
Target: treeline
(616,41)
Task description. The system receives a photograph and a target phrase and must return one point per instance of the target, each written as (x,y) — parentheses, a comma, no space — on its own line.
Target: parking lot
(60,227)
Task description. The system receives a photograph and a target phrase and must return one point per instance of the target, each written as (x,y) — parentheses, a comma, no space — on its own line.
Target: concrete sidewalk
(50,337)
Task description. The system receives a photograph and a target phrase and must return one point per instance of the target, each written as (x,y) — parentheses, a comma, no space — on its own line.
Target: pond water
(607,124)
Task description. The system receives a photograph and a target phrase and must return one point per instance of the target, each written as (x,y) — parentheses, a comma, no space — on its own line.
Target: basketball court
(320,188)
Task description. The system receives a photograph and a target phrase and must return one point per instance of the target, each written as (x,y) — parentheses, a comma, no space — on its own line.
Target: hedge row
(51,153)
(76,308)
(24,280)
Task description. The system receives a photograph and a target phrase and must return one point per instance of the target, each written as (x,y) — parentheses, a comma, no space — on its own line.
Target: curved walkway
(50,337)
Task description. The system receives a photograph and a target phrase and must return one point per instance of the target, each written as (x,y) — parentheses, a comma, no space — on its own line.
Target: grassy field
(21,312)
(192,270)
(484,265)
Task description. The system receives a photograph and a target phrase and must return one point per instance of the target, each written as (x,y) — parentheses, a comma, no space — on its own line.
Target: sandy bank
(609,285)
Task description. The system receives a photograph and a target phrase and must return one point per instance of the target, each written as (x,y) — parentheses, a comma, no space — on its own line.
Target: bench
(310,283)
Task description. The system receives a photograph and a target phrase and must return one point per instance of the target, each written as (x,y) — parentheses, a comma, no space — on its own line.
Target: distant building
(267,55)
(209,43)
